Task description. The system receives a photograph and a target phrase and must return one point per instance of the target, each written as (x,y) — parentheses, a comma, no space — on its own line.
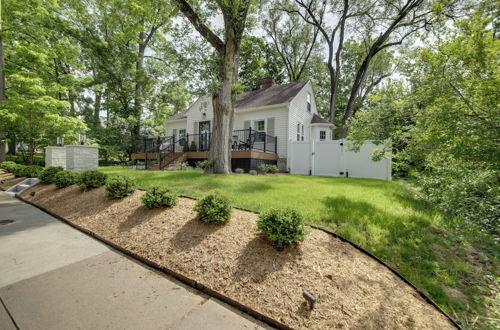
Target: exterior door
(204,129)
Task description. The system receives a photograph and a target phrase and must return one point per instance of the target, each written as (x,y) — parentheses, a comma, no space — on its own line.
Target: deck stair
(170,161)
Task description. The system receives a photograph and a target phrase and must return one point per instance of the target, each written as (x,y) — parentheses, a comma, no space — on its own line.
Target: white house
(265,120)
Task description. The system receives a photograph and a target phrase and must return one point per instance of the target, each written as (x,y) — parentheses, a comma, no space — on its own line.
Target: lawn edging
(215,294)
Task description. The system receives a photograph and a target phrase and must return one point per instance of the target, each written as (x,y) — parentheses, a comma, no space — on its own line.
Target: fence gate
(333,158)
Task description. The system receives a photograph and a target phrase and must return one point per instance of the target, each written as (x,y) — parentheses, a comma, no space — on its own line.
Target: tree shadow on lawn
(410,243)
(259,259)
(140,215)
(192,234)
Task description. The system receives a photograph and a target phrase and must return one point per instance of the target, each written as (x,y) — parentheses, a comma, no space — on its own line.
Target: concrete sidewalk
(54,277)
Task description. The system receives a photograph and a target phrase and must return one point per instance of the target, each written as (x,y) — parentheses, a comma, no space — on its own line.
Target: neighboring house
(265,121)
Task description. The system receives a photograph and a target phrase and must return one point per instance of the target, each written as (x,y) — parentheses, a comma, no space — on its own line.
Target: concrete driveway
(54,277)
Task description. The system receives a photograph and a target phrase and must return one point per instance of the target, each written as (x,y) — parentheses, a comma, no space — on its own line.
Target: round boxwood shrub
(8,166)
(158,197)
(91,179)
(120,186)
(32,171)
(18,170)
(282,226)
(239,171)
(47,174)
(65,178)
(214,208)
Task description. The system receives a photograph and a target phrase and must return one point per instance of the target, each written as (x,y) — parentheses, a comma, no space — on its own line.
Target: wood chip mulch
(353,290)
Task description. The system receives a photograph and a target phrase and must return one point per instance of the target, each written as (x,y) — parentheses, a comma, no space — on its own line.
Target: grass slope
(383,217)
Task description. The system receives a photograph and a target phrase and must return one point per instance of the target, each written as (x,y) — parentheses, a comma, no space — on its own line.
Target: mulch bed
(353,290)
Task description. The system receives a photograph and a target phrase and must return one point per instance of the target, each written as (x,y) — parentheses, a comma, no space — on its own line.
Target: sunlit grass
(381,216)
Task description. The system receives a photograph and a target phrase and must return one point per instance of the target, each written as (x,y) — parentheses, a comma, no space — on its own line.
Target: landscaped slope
(353,289)
(448,259)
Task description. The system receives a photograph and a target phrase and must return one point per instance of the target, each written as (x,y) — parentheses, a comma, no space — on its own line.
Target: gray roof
(179,116)
(277,94)
(316,119)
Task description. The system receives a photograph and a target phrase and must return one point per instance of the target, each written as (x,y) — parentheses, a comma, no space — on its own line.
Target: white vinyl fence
(332,158)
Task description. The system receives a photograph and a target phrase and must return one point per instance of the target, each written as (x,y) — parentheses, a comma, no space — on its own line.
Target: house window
(302,135)
(298,132)
(322,135)
(308,102)
(182,134)
(260,125)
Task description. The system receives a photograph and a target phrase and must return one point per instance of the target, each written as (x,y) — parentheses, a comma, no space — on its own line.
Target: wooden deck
(247,154)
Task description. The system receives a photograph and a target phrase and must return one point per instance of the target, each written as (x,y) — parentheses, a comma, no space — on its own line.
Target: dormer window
(308,102)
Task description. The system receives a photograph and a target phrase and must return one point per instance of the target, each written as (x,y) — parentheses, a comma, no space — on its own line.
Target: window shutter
(174,132)
(246,124)
(270,126)
(196,127)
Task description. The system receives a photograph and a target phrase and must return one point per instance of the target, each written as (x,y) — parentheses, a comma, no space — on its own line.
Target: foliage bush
(120,186)
(282,226)
(18,170)
(205,163)
(8,166)
(239,171)
(32,171)
(91,179)
(159,196)
(38,159)
(185,147)
(193,146)
(268,168)
(252,172)
(214,208)
(464,190)
(47,174)
(65,178)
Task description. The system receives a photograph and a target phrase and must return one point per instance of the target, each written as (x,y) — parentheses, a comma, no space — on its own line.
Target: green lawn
(383,217)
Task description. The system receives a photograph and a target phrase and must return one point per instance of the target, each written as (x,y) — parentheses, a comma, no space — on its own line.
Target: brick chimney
(266,83)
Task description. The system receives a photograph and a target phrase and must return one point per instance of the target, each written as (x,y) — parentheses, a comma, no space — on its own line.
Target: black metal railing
(162,147)
(250,139)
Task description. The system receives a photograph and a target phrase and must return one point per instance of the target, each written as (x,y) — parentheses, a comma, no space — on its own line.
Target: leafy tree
(38,105)
(445,124)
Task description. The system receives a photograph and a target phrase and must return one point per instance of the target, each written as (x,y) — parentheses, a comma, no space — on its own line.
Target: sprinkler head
(310,298)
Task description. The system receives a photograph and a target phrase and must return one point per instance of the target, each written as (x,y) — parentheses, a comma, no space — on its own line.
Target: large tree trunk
(97,108)
(220,150)
(3,148)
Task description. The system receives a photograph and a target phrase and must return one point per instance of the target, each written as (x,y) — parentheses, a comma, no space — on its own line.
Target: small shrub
(47,174)
(32,171)
(18,170)
(268,168)
(65,178)
(193,146)
(120,186)
(239,171)
(282,226)
(185,147)
(91,179)
(214,208)
(158,197)
(8,166)
(205,163)
(252,172)
(184,165)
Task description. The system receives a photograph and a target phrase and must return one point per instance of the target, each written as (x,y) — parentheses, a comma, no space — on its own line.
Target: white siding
(298,113)
(170,126)
(195,113)
(280,116)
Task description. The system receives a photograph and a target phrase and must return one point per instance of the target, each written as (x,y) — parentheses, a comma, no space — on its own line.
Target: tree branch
(202,28)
